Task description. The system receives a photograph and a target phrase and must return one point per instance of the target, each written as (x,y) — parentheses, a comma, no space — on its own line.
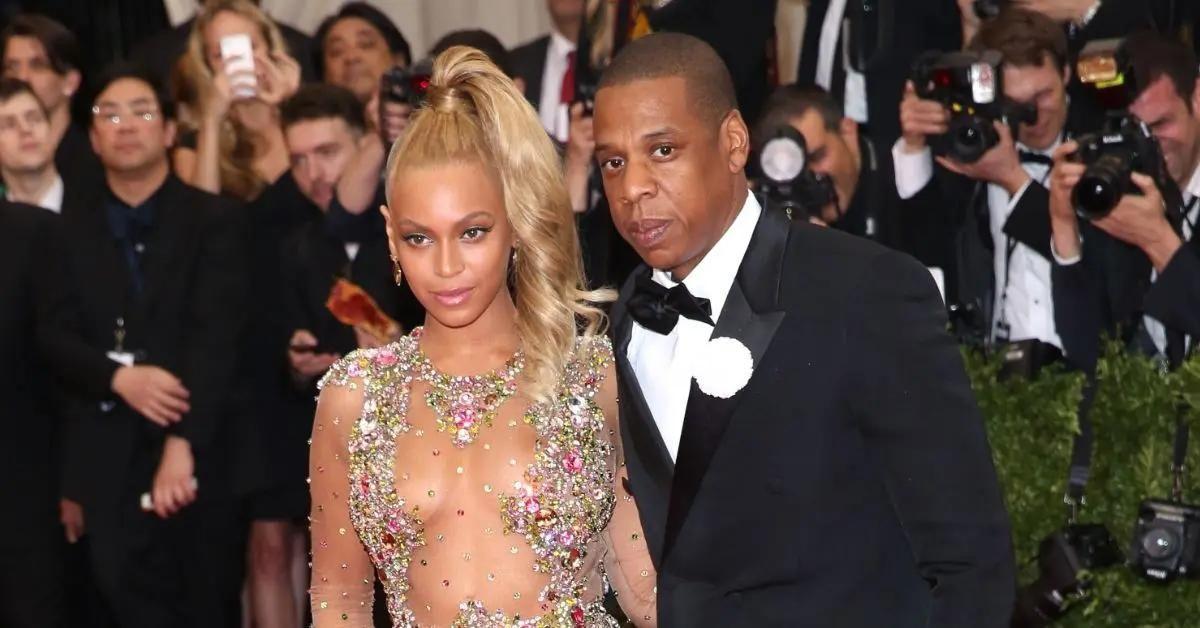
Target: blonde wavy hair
(473,112)
(236,159)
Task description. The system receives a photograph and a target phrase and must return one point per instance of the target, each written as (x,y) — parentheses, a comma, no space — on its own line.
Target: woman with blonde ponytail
(475,465)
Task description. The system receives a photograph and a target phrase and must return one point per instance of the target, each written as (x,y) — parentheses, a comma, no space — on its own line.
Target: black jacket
(186,320)
(850,482)
(528,63)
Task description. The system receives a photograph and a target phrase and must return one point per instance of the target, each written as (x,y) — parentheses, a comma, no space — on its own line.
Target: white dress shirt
(52,198)
(664,364)
(835,28)
(555,115)
(1024,296)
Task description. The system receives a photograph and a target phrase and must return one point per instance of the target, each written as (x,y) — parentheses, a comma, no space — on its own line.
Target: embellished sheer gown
(472,518)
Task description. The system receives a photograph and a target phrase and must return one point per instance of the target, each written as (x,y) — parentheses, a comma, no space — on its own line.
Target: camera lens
(1101,186)
(1159,543)
(970,138)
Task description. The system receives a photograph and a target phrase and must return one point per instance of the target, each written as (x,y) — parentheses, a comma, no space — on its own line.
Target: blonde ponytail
(473,111)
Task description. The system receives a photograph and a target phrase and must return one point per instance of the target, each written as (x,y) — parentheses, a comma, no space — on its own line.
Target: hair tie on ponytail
(445,98)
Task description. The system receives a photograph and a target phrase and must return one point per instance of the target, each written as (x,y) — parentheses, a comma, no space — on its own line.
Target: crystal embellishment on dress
(465,404)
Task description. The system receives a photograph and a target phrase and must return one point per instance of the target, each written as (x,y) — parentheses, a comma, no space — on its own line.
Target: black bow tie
(658,308)
(1028,157)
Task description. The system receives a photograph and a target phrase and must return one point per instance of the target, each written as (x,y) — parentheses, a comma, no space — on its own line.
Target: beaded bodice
(501,530)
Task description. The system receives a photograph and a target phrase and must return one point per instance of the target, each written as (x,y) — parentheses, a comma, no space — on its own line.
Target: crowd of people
(170,267)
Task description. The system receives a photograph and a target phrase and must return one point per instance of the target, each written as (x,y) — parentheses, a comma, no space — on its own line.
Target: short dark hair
(376,18)
(124,70)
(317,101)
(10,87)
(478,39)
(1024,38)
(664,55)
(62,48)
(794,101)
(1154,56)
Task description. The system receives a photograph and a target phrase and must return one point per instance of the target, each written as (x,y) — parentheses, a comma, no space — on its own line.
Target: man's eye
(663,150)
(613,163)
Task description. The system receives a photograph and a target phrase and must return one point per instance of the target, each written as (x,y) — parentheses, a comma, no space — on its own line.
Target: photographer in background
(841,178)
(984,221)
(1134,273)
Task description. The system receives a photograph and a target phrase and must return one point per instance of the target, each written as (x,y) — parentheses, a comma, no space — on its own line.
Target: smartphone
(238,54)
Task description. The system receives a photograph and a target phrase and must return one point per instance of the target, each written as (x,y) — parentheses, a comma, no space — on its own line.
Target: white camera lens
(782,159)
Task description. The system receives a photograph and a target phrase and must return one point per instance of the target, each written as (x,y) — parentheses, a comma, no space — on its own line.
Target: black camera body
(970,86)
(988,9)
(1064,559)
(406,85)
(1166,541)
(1123,146)
(784,179)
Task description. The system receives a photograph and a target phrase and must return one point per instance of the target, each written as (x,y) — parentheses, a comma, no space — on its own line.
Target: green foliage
(1031,425)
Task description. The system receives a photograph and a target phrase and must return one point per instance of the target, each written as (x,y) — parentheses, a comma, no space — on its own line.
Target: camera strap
(1081,460)
(1179,459)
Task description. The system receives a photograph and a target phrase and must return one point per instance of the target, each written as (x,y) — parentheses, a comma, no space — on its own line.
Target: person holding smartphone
(238,65)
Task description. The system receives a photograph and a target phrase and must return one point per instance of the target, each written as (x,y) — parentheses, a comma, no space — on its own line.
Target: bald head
(675,55)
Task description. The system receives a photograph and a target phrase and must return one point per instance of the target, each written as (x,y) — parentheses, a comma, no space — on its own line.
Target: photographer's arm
(356,187)
(1175,298)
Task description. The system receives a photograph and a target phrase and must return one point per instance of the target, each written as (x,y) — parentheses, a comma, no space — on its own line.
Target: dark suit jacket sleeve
(923,430)
(1174,299)
(1029,222)
(217,312)
(928,221)
(1079,302)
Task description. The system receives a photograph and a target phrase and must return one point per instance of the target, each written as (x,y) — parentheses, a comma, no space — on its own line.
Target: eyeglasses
(115,115)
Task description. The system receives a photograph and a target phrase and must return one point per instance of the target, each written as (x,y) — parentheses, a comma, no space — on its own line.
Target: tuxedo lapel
(751,315)
(651,448)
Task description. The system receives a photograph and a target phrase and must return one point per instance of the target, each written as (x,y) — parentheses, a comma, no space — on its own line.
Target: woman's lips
(451,298)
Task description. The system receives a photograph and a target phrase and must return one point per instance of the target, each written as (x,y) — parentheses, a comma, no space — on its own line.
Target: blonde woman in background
(238,147)
(475,466)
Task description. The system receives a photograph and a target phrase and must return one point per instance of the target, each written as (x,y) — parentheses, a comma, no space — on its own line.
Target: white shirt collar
(1193,186)
(51,199)
(1049,150)
(714,275)
(559,45)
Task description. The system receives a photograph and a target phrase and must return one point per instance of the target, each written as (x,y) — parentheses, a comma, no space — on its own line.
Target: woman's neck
(477,347)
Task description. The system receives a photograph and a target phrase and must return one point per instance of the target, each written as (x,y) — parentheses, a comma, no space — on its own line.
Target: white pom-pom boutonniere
(724,367)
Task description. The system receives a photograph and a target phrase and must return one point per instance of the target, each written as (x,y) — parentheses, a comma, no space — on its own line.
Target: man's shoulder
(531,48)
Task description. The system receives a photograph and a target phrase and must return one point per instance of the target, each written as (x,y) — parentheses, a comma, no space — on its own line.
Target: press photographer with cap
(1133,271)
(831,173)
(980,216)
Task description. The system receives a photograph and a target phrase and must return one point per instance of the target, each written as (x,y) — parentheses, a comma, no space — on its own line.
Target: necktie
(658,308)
(566,93)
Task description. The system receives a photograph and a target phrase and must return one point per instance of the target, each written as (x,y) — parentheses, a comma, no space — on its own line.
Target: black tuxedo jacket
(888,37)
(529,63)
(1109,290)
(33,295)
(186,320)
(947,224)
(849,483)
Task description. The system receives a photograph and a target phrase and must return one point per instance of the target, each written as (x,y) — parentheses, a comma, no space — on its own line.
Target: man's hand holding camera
(1138,219)
(920,118)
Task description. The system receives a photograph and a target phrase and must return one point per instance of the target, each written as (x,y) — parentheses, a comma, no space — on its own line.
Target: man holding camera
(981,217)
(844,179)
(1134,272)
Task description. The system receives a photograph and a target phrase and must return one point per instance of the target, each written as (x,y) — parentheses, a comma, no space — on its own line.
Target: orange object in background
(351,305)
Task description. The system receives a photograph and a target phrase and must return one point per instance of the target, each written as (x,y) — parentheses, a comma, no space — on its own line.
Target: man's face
(356,56)
(833,153)
(319,151)
(670,175)
(1045,87)
(1176,128)
(25,58)
(129,132)
(565,10)
(24,134)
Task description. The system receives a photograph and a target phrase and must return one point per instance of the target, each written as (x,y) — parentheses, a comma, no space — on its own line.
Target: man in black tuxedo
(1135,273)
(156,271)
(864,201)
(31,539)
(826,465)
(984,223)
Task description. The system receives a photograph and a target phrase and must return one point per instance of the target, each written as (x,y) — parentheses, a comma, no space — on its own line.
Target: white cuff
(1066,261)
(913,170)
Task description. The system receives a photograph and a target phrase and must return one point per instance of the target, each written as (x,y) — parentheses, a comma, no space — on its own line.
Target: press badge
(118,353)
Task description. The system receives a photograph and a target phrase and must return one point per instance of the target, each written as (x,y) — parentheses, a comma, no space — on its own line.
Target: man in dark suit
(546,65)
(44,54)
(1135,273)
(864,201)
(156,272)
(820,461)
(31,539)
(984,223)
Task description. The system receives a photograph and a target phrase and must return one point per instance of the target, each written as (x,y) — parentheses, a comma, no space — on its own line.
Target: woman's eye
(663,150)
(474,233)
(416,239)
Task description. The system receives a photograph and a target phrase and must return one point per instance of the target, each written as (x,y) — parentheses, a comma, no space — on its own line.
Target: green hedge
(1031,425)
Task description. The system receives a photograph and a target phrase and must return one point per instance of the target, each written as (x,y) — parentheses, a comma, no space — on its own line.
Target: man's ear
(848,129)
(735,138)
(71,81)
(169,134)
(1196,101)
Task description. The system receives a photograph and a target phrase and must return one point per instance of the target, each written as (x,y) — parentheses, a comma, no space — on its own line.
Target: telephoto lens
(1102,185)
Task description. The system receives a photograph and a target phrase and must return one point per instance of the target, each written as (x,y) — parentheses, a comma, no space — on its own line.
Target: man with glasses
(156,269)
